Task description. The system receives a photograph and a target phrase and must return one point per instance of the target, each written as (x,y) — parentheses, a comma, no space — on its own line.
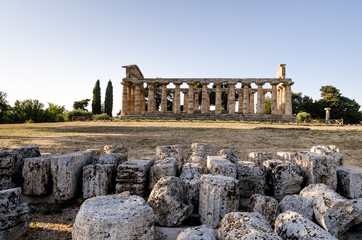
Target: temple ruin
(189,98)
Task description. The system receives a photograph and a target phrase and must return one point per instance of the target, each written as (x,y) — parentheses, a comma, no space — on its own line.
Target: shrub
(103,116)
(303,117)
(77,115)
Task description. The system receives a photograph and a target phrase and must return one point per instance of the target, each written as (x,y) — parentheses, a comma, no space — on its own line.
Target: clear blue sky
(55,51)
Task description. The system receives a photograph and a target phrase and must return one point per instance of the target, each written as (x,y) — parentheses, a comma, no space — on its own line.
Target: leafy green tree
(303,117)
(331,95)
(30,109)
(4,107)
(54,112)
(96,102)
(81,105)
(268,105)
(108,101)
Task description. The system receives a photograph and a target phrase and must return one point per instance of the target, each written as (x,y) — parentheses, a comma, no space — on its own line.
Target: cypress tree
(96,102)
(108,101)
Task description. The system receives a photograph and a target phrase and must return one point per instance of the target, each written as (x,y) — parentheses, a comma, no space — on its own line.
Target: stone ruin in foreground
(206,195)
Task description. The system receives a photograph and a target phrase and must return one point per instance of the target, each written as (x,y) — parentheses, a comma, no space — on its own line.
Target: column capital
(260,84)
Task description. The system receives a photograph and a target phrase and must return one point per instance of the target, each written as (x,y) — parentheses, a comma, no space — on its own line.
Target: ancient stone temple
(191,98)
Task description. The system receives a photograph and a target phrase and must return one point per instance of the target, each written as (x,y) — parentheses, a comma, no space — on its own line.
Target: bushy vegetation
(103,116)
(304,117)
(76,115)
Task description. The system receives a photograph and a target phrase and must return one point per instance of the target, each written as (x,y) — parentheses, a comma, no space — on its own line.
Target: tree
(54,112)
(268,105)
(108,101)
(331,95)
(30,109)
(81,105)
(96,102)
(303,117)
(4,107)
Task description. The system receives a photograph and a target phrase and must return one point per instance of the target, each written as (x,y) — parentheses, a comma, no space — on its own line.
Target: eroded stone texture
(358,204)
(269,166)
(198,155)
(292,225)
(349,182)
(166,167)
(95,152)
(229,155)
(266,206)
(221,166)
(170,202)
(110,158)
(11,165)
(330,150)
(120,149)
(245,225)
(197,233)
(259,157)
(251,178)
(14,232)
(218,195)
(286,156)
(173,151)
(297,203)
(114,217)
(98,180)
(37,176)
(313,190)
(132,176)
(317,168)
(67,173)
(191,176)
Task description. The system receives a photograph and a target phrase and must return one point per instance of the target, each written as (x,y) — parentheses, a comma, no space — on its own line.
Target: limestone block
(12,210)
(286,156)
(95,152)
(349,182)
(251,178)
(110,158)
(121,149)
(317,168)
(297,203)
(330,150)
(358,204)
(67,172)
(313,190)
(269,166)
(198,155)
(166,167)
(174,151)
(37,176)
(221,166)
(169,201)
(266,206)
(259,157)
(132,176)
(114,217)
(191,176)
(98,180)
(197,233)
(15,232)
(292,225)
(245,225)
(219,195)
(229,155)
(11,165)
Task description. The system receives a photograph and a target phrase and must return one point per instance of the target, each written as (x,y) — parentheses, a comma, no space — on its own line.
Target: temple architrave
(139,97)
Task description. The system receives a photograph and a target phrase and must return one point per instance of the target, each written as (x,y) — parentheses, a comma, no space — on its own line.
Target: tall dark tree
(96,102)
(108,101)
(81,105)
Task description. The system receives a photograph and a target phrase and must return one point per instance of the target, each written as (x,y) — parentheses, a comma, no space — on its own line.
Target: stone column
(137,99)
(190,105)
(246,99)
(124,108)
(252,104)
(288,100)
(284,98)
(218,98)
(129,98)
(240,102)
(204,101)
(143,101)
(164,98)
(264,103)
(176,99)
(208,102)
(328,114)
(196,101)
(274,100)
(259,106)
(231,99)
(186,100)
(151,97)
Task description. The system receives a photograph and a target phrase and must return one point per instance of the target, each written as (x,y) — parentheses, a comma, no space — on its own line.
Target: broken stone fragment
(197,233)
(98,180)
(297,203)
(173,151)
(191,176)
(218,165)
(330,150)
(286,156)
(162,168)
(266,206)
(259,157)
(198,155)
(37,176)
(229,155)
(120,149)
(349,182)
(251,179)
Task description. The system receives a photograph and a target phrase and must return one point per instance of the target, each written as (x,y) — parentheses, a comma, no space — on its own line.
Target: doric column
(274,100)
(151,97)
(143,101)
(129,98)
(284,98)
(240,102)
(231,99)
(252,104)
(124,107)
(208,102)
(204,96)
(196,101)
(137,99)
(246,99)
(186,100)
(176,99)
(164,98)
(190,103)
(264,103)
(260,104)
(218,98)
(288,100)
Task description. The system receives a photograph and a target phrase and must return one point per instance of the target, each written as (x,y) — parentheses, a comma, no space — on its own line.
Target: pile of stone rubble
(304,195)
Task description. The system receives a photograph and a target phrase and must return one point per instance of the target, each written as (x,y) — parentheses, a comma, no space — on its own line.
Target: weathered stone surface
(12,211)
(259,157)
(286,156)
(173,151)
(198,155)
(269,166)
(221,166)
(245,225)
(120,149)
(11,165)
(297,203)
(191,176)
(292,225)
(229,155)
(266,206)
(67,172)
(114,217)
(166,167)
(169,201)
(313,190)
(132,176)
(358,204)
(95,152)
(14,232)
(197,233)
(317,168)
(37,176)
(330,150)
(98,180)
(349,182)
(251,179)
(110,158)
(218,195)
